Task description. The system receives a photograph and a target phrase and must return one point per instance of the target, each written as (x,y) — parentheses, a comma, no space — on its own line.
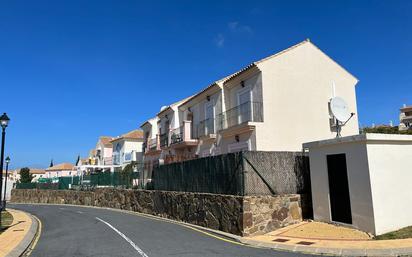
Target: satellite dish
(340,109)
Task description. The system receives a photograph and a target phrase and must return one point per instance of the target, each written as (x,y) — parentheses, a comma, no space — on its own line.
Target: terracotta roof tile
(106,141)
(134,134)
(61,166)
(32,171)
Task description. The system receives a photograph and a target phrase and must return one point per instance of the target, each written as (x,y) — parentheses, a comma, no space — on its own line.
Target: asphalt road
(81,231)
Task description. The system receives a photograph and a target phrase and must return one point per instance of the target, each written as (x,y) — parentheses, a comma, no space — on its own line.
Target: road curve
(82,231)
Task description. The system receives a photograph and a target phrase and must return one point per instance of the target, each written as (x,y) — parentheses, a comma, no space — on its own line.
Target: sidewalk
(321,238)
(15,240)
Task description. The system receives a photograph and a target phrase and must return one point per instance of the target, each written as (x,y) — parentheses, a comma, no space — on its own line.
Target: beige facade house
(61,170)
(200,120)
(274,104)
(281,101)
(405,118)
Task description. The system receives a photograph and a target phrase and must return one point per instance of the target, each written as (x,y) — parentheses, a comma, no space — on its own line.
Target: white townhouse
(273,104)
(127,148)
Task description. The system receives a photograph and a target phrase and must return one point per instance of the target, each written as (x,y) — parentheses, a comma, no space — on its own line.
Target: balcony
(176,135)
(247,112)
(153,143)
(182,136)
(407,118)
(164,140)
(206,128)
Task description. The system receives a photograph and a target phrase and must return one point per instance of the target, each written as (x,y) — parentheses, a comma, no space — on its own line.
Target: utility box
(363,180)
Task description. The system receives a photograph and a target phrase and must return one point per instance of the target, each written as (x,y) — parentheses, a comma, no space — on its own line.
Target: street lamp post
(5,181)
(4,122)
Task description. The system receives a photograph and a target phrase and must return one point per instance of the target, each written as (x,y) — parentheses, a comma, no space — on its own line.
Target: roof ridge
(255,63)
(282,51)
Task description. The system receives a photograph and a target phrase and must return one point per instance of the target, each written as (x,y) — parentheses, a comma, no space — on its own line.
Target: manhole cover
(304,243)
(281,240)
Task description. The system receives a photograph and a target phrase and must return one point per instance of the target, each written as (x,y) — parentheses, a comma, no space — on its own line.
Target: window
(209,118)
(244,100)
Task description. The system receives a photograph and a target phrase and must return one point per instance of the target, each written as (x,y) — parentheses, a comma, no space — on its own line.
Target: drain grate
(304,243)
(18,230)
(280,240)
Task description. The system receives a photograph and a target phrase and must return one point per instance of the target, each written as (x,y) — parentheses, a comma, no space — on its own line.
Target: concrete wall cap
(369,137)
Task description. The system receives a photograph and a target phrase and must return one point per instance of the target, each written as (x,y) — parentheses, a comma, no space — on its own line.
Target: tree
(25,175)
(126,175)
(386,130)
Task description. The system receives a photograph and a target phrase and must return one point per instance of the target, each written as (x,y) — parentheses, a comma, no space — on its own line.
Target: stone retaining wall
(245,216)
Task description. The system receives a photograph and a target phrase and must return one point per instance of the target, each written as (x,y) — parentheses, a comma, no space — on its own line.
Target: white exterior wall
(297,86)
(134,147)
(391,176)
(60,173)
(378,177)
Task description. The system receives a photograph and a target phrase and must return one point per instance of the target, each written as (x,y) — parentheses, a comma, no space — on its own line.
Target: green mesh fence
(222,174)
(106,179)
(242,173)
(26,185)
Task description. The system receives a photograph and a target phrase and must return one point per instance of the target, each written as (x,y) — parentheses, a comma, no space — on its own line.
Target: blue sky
(73,70)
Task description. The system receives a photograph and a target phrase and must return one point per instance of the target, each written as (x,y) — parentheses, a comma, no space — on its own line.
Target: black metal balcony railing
(177,135)
(205,127)
(249,111)
(164,139)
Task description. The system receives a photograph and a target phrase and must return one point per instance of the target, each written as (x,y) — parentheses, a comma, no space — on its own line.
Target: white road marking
(79,212)
(62,209)
(140,251)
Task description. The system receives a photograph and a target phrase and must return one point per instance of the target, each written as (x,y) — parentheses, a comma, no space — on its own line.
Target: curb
(28,239)
(386,252)
(382,252)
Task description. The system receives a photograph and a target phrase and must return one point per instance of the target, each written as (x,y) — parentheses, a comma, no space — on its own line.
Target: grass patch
(6,220)
(398,234)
